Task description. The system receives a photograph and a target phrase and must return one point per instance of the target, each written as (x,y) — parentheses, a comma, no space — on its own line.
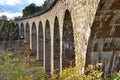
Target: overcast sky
(12,8)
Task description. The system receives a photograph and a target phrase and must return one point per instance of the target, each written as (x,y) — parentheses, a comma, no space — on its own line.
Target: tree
(17,17)
(46,3)
(3,17)
(30,9)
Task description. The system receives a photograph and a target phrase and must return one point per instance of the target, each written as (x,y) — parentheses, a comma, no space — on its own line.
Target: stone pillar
(37,43)
(25,38)
(44,47)
(61,47)
(19,29)
(52,52)
(31,36)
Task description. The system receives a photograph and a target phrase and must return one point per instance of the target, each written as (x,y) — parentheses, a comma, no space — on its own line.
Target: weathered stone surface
(104,42)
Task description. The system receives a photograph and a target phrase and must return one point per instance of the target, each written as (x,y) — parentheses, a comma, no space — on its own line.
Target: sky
(12,8)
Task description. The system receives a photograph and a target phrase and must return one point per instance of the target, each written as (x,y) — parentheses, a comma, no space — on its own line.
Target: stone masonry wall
(104,43)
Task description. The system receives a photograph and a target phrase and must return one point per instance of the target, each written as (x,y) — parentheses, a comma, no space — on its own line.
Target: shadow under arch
(17,27)
(68,53)
(34,39)
(22,29)
(27,33)
(47,48)
(40,32)
(56,45)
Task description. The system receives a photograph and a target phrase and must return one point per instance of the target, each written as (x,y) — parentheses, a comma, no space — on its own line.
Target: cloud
(37,2)
(14,2)
(9,2)
(11,15)
(12,8)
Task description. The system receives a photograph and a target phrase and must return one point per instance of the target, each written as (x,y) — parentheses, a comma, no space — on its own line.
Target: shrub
(15,66)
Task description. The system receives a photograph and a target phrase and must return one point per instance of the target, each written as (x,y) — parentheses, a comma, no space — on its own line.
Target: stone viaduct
(71,30)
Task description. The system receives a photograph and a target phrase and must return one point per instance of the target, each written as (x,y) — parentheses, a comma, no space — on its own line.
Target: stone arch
(16,35)
(28,33)
(40,32)
(56,45)
(68,53)
(22,29)
(17,26)
(47,47)
(34,39)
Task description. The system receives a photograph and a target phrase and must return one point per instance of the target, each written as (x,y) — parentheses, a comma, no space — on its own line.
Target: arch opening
(40,43)
(34,40)
(47,48)
(22,29)
(56,45)
(27,33)
(68,53)
(16,36)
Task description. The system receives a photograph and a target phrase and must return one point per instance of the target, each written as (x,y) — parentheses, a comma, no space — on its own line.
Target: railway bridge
(71,29)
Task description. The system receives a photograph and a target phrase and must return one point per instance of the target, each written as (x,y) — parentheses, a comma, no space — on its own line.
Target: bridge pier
(52,54)
(44,48)
(38,51)
(31,36)
(27,33)
(61,35)
(25,37)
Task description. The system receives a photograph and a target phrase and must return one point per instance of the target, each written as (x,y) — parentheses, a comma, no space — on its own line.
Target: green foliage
(17,67)
(3,17)
(30,9)
(17,17)
(73,73)
(9,30)
(92,73)
(114,76)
